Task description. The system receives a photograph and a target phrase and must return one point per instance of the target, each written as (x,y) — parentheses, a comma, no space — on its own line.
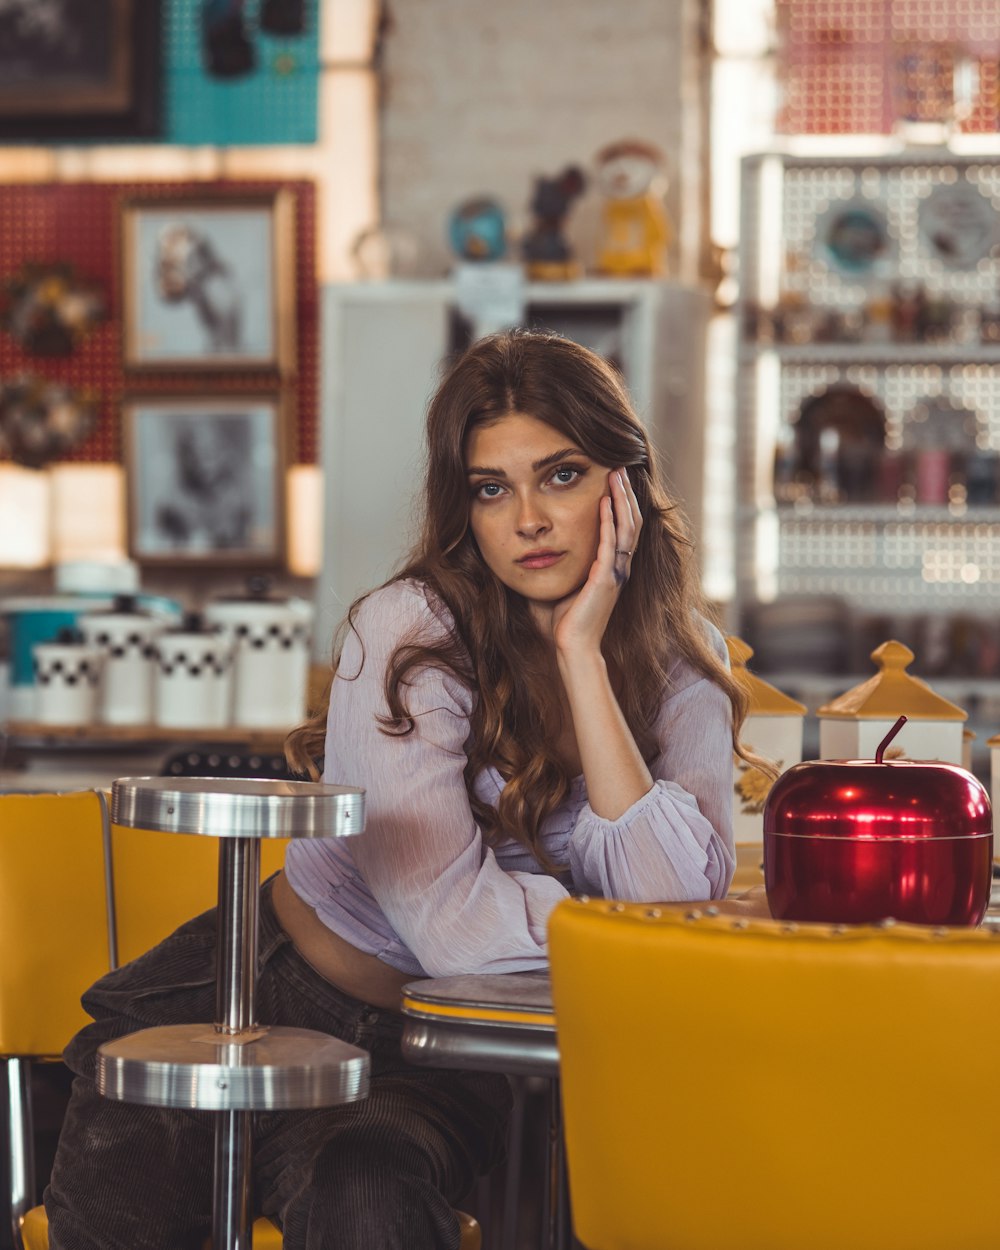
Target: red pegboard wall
(79,223)
(838,60)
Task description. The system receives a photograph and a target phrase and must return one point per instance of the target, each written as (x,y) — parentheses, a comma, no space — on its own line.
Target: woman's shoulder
(403,606)
(683,673)
(713,637)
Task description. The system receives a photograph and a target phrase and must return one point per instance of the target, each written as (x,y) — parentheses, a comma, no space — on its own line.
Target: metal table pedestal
(233,1066)
(501,1022)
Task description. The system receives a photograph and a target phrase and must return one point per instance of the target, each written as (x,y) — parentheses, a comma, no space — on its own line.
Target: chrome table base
(234,1067)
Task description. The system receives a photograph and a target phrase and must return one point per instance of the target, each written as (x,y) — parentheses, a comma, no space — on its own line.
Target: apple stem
(888,738)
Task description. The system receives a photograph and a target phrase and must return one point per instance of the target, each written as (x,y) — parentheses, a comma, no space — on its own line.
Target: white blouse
(421,889)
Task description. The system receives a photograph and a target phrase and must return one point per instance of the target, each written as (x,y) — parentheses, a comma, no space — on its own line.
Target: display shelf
(884,513)
(33,735)
(874,353)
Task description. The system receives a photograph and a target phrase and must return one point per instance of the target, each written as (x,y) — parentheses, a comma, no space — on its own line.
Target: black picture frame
(102,79)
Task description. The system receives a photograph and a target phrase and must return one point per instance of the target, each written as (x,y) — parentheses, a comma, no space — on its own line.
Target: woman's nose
(531,517)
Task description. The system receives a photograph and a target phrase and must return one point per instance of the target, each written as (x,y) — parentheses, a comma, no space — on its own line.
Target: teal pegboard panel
(276,103)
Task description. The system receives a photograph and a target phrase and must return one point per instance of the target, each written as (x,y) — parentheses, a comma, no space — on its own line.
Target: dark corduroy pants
(381,1174)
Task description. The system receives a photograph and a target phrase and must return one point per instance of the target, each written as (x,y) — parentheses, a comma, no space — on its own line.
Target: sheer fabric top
(421,889)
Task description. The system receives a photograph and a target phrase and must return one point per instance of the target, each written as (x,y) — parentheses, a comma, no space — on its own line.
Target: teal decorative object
(477,230)
(275,102)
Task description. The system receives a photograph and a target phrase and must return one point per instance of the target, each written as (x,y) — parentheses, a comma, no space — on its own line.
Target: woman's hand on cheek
(579,621)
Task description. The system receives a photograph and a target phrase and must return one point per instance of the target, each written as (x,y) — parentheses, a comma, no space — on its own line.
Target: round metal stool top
(183,1065)
(238,807)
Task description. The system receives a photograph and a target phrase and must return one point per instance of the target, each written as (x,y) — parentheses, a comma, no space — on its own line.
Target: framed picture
(209,282)
(205,479)
(80,69)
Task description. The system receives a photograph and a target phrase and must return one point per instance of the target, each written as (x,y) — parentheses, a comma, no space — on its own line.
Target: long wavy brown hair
(496,649)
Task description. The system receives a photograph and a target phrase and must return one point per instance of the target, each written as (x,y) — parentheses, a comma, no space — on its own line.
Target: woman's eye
(566,474)
(488,490)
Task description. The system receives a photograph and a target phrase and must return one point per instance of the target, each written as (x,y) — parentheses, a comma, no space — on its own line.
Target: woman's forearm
(613,768)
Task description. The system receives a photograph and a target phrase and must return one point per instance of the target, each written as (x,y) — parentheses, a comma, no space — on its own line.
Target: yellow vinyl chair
(163,879)
(56,937)
(865,1061)
(62,925)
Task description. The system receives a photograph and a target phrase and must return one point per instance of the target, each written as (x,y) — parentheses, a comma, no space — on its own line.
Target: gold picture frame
(208,282)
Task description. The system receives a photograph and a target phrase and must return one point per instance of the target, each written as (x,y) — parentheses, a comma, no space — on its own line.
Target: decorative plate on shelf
(958,225)
(852,236)
(857,418)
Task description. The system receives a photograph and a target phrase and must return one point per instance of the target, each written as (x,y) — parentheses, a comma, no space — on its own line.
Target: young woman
(535,705)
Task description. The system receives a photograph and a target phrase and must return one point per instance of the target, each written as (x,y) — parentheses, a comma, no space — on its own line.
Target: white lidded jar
(852,725)
(67,680)
(772,729)
(125,635)
(193,676)
(272,641)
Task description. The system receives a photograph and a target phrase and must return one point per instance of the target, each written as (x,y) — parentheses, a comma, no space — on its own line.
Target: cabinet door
(381,361)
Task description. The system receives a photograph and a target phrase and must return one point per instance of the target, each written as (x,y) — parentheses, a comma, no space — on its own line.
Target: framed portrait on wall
(205,479)
(209,282)
(79,69)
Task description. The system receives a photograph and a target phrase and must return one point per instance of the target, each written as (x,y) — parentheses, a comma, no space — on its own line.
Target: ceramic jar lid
(765,699)
(891,692)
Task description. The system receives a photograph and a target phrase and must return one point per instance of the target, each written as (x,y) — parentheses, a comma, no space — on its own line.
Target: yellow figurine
(637,232)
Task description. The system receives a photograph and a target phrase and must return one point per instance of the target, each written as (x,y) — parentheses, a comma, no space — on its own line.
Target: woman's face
(534,507)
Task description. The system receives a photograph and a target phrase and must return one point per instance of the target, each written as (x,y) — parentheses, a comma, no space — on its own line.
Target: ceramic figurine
(633,176)
(547,253)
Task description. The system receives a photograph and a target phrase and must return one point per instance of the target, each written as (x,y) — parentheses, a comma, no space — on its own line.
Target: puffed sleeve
(422,854)
(676,842)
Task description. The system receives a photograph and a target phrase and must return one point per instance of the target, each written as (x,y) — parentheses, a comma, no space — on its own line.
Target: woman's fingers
(628,519)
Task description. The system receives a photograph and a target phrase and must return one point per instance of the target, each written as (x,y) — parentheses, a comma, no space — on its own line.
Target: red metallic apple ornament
(857,841)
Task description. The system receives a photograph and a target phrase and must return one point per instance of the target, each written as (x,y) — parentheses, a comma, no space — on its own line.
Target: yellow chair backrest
(163,879)
(53,916)
(861,1059)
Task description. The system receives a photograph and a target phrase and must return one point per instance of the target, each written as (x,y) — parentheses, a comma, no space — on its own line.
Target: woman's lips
(540,559)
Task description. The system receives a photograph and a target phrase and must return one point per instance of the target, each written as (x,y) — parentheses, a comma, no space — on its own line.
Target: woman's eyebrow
(483,471)
(556,456)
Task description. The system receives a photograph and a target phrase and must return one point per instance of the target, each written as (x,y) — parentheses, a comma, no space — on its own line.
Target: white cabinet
(383,345)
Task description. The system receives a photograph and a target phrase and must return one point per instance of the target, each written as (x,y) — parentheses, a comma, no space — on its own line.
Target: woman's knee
(358,1198)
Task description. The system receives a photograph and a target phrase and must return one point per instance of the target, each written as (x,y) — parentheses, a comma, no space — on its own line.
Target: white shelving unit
(875,554)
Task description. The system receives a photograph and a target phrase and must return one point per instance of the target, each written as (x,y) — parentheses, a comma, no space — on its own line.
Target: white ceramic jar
(126,640)
(272,644)
(67,682)
(193,679)
(772,729)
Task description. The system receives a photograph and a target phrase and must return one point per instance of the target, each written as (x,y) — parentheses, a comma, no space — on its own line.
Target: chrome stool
(234,1066)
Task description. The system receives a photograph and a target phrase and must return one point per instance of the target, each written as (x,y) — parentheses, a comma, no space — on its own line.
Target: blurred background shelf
(35,735)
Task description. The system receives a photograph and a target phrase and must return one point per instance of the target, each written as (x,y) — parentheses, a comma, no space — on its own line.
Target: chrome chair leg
(20,1142)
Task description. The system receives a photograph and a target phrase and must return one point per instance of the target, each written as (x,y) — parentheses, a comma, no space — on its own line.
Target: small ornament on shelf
(477,230)
(545,248)
(632,175)
(41,420)
(49,308)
